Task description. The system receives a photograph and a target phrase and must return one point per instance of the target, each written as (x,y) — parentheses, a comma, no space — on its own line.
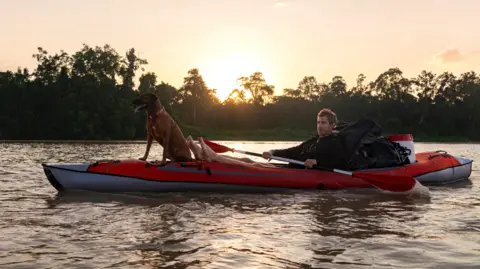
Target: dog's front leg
(149,144)
(166,146)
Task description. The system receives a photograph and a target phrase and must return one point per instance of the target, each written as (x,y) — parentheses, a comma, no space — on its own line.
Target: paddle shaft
(395,183)
(272,157)
(224,148)
(280,159)
(247,152)
(386,182)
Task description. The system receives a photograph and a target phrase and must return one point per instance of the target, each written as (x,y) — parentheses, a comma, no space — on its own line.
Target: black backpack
(366,148)
(380,153)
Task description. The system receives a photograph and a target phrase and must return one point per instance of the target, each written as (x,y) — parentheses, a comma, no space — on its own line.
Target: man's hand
(310,163)
(267,155)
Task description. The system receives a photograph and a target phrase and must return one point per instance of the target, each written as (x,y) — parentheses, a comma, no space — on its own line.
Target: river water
(354,228)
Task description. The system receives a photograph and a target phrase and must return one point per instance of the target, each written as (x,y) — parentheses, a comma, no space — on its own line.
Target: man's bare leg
(210,154)
(199,155)
(243,159)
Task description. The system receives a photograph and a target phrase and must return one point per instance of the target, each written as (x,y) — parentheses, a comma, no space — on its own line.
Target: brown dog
(162,128)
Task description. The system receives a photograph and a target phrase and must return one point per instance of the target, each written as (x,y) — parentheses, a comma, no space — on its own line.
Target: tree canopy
(87,95)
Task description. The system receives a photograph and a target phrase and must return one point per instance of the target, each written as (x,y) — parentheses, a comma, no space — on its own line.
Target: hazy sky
(286,40)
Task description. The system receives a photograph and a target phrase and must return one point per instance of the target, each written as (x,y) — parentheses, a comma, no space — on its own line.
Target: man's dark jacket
(336,149)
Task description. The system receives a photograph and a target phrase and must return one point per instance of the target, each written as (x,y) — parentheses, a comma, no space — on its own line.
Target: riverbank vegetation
(87,96)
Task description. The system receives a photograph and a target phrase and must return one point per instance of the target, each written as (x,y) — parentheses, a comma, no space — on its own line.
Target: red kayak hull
(140,176)
(221,173)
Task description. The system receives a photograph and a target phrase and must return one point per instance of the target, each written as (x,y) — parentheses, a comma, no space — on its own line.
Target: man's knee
(247,160)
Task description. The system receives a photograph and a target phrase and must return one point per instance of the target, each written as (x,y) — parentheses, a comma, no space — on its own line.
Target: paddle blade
(217,147)
(388,182)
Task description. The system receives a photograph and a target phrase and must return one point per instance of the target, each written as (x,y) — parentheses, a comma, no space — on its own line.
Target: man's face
(324,128)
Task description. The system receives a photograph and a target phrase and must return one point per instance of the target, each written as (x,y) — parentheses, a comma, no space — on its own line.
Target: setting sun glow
(222,73)
(284,39)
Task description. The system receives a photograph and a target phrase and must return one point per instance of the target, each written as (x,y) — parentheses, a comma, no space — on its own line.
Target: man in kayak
(324,149)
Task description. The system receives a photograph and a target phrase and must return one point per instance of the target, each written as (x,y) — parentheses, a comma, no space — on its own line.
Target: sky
(284,39)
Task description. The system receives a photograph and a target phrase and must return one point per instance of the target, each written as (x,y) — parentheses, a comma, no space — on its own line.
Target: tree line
(87,96)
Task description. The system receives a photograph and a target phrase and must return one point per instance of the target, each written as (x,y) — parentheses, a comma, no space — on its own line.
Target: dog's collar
(159,113)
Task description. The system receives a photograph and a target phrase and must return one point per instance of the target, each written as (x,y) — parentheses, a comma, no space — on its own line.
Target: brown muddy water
(352,228)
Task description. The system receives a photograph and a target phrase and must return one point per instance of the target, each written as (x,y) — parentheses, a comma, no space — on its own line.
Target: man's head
(326,122)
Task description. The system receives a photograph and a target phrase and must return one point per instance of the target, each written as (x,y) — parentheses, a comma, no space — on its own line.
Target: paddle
(222,149)
(380,179)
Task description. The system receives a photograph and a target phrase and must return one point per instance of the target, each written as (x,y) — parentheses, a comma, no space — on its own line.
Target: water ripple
(355,228)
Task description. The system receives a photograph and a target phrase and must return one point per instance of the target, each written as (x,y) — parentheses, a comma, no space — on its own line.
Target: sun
(222,74)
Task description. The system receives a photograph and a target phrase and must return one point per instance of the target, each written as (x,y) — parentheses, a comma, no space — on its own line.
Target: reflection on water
(353,228)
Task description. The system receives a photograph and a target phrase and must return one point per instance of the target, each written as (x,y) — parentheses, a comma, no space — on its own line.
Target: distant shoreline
(258,135)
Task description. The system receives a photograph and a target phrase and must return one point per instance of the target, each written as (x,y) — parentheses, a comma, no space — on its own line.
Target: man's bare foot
(207,151)
(197,150)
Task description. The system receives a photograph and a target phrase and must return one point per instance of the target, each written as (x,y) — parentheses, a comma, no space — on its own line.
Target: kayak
(131,175)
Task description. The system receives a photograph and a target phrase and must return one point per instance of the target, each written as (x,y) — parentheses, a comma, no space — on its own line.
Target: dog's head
(147,101)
